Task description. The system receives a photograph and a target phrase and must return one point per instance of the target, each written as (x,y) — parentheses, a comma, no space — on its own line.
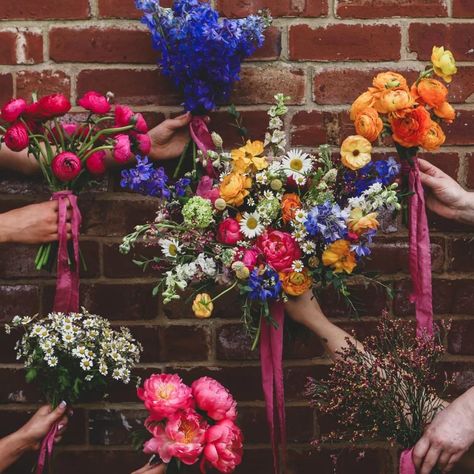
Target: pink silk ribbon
(271,356)
(406,462)
(46,450)
(203,140)
(67,280)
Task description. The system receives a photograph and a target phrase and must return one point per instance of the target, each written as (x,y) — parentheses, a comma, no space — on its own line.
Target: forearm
(22,161)
(465,213)
(12,447)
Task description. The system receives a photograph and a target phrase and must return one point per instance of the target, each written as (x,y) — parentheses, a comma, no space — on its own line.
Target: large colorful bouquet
(191,424)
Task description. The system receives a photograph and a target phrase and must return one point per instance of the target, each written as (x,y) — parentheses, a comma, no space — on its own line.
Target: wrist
(22,442)
(465,212)
(4,231)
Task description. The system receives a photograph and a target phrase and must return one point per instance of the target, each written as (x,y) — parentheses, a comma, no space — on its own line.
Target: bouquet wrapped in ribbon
(272,223)
(71,355)
(71,155)
(191,425)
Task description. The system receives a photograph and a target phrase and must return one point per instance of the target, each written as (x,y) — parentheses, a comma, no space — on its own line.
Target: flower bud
(220,204)
(276,184)
(13,109)
(217,140)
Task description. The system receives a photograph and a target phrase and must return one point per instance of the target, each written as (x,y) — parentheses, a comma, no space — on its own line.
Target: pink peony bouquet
(191,424)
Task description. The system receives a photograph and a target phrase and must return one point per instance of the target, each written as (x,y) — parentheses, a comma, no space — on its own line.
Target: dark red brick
(460,339)
(33,48)
(463,9)
(391,8)
(305,8)
(312,128)
(8,41)
(459,132)
(461,254)
(18,300)
(6,87)
(43,83)
(271,49)
(50,10)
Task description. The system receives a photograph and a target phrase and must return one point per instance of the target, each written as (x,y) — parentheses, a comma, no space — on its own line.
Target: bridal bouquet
(191,424)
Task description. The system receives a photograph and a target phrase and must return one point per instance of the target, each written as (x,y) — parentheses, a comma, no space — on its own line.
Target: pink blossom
(164,395)
(123,116)
(13,109)
(228,231)
(280,249)
(16,137)
(140,123)
(250,258)
(66,166)
(143,143)
(206,190)
(95,163)
(95,102)
(224,446)
(214,398)
(122,148)
(53,105)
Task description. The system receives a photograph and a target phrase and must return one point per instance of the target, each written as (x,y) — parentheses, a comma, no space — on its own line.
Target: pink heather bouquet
(191,424)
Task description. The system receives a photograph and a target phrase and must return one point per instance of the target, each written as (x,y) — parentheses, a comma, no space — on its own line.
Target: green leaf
(31,375)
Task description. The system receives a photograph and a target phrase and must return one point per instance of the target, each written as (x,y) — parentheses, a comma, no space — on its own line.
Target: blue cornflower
(327,220)
(181,185)
(145,179)
(264,285)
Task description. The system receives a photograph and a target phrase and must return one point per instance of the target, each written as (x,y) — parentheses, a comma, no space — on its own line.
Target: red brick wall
(322,53)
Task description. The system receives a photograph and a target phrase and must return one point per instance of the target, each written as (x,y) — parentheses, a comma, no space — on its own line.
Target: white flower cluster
(377,198)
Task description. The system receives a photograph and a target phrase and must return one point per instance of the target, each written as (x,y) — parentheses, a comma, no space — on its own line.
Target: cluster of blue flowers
(327,220)
(264,285)
(200,52)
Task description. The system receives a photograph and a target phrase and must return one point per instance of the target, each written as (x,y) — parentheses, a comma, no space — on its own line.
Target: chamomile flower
(299,234)
(86,364)
(250,225)
(300,180)
(308,247)
(261,178)
(68,337)
(170,247)
(297,266)
(296,164)
(52,361)
(300,215)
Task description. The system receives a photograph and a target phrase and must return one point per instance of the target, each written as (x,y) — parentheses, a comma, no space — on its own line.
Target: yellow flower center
(188,431)
(296,164)
(252,223)
(172,249)
(164,391)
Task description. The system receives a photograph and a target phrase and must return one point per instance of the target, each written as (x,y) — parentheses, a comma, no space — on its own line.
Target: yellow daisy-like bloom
(340,257)
(360,223)
(356,152)
(444,63)
(247,157)
(203,306)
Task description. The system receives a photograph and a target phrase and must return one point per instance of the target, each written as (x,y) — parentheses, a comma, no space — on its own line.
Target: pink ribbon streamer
(46,450)
(271,356)
(67,281)
(203,140)
(406,462)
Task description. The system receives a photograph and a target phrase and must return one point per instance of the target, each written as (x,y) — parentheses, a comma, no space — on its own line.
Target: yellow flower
(355,152)
(444,63)
(340,257)
(359,223)
(247,157)
(235,188)
(203,306)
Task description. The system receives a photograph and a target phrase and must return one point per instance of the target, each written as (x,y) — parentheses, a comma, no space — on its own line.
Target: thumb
(180,121)
(58,412)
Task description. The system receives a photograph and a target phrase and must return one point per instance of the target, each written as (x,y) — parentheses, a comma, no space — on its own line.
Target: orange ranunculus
(430,92)
(290,203)
(369,124)
(393,100)
(339,257)
(434,138)
(296,283)
(356,152)
(362,102)
(389,80)
(446,112)
(411,129)
(235,188)
(360,223)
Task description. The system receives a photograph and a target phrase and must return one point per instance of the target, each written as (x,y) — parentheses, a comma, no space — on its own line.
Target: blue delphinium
(264,285)
(327,220)
(200,52)
(361,248)
(181,186)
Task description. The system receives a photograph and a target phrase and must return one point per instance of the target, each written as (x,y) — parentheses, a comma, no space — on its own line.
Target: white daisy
(308,247)
(299,234)
(297,266)
(296,163)
(261,178)
(300,215)
(52,361)
(300,180)
(250,225)
(86,364)
(170,247)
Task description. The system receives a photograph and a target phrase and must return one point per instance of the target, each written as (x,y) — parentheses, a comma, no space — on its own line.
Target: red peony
(95,103)
(13,109)
(66,166)
(280,249)
(228,231)
(16,137)
(52,106)
(95,163)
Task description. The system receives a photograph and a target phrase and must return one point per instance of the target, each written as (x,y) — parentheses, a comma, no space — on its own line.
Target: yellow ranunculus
(339,257)
(444,63)
(247,157)
(356,152)
(360,223)
(203,306)
(235,188)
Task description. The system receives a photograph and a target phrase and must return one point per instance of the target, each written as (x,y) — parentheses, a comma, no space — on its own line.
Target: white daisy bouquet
(270,221)
(70,355)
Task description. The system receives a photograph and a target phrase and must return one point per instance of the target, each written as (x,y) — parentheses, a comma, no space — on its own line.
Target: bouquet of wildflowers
(191,424)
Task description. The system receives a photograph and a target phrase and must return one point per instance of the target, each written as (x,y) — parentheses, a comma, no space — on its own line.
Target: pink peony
(280,249)
(250,258)
(143,143)
(140,123)
(164,395)
(122,148)
(53,105)
(182,437)
(13,109)
(95,163)
(16,137)
(228,231)
(224,446)
(214,398)
(94,102)
(206,190)
(66,166)
(123,116)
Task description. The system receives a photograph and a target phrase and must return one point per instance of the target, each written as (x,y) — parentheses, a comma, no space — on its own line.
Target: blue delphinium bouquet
(201,52)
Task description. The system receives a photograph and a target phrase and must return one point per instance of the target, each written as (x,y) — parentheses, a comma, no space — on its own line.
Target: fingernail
(60,427)
(63,404)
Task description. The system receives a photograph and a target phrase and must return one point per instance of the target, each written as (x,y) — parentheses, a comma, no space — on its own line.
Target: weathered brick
(43,83)
(463,9)
(50,10)
(8,41)
(271,48)
(6,87)
(305,8)
(391,8)
(18,299)
(459,132)
(461,254)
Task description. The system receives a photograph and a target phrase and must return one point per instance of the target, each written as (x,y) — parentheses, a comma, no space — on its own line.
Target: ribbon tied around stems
(46,449)
(67,281)
(406,462)
(271,356)
(203,140)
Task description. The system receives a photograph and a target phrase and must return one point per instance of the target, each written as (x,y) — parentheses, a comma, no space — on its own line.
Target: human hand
(445,196)
(152,469)
(33,224)
(447,438)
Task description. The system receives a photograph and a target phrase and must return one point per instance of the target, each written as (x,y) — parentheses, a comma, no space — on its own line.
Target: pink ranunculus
(206,190)
(181,436)
(16,137)
(95,102)
(140,123)
(95,163)
(123,116)
(250,258)
(143,143)
(13,109)
(54,105)
(279,248)
(228,231)
(164,395)
(224,446)
(122,148)
(214,398)
(66,166)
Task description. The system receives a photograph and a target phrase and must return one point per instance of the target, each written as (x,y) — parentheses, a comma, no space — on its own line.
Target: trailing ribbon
(203,140)
(67,280)
(271,356)
(406,462)
(46,450)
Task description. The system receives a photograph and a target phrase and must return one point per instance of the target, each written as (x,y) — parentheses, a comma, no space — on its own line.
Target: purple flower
(328,221)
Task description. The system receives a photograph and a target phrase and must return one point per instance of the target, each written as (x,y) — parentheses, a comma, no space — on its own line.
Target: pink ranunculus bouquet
(191,424)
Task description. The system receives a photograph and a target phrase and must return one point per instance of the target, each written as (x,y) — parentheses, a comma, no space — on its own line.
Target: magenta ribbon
(203,140)
(271,356)
(406,462)
(46,450)
(67,280)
